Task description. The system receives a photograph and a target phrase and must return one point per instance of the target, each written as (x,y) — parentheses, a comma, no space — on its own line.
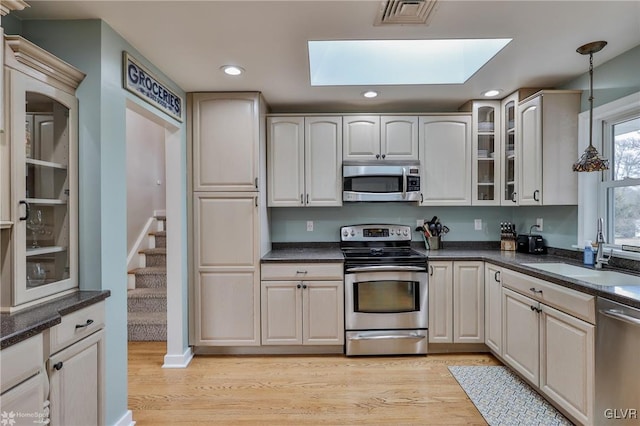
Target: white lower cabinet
(493,308)
(456,302)
(550,348)
(76,368)
(75,373)
(24,384)
(302,304)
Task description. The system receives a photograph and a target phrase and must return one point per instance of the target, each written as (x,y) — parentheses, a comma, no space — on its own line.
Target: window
(614,194)
(621,183)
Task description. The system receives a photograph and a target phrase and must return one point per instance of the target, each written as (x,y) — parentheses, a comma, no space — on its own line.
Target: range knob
(345,233)
(405,232)
(353,233)
(391,232)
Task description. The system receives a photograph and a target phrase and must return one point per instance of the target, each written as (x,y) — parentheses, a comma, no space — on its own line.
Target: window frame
(593,187)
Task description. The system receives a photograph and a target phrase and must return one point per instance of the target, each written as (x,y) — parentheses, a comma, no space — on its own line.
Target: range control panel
(375,233)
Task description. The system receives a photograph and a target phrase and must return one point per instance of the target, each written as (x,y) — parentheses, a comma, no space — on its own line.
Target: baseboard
(178,361)
(126,420)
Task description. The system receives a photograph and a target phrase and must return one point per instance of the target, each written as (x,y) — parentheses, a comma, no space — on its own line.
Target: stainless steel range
(385,291)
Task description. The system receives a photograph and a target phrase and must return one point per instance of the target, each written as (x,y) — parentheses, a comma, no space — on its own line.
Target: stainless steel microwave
(381,181)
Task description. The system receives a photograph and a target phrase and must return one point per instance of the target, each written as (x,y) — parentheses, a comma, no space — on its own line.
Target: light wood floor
(295,390)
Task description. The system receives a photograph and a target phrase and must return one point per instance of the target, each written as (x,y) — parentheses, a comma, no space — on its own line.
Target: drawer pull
(533,308)
(58,366)
(301,272)
(533,289)
(86,324)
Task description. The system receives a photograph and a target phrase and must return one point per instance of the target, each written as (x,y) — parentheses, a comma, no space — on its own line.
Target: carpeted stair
(147,302)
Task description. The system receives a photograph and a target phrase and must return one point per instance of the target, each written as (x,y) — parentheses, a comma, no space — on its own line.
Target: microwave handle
(404,183)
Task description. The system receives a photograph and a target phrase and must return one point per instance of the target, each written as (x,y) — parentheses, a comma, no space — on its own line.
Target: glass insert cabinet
(41,231)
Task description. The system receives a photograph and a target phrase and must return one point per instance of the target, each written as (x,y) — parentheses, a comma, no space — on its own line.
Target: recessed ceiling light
(232,69)
(492,92)
(370,94)
(401,62)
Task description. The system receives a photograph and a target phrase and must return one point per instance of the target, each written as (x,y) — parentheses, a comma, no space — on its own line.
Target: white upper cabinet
(376,137)
(304,161)
(445,159)
(226,135)
(399,137)
(486,149)
(548,141)
(39,184)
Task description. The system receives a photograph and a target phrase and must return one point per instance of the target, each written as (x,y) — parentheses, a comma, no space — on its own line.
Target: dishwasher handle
(364,336)
(618,315)
(387,268)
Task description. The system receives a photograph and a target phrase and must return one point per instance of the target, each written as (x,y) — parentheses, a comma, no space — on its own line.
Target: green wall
(93,47)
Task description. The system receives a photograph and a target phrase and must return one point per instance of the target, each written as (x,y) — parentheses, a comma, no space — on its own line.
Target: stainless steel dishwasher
(617,384)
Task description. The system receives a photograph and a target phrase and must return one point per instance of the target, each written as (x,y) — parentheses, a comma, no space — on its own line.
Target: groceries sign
(141,82)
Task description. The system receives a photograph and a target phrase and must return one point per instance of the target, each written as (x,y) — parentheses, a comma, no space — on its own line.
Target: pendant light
(591,161)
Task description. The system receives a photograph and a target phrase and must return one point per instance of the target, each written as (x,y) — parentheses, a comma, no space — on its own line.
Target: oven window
(386,296)
(373,184)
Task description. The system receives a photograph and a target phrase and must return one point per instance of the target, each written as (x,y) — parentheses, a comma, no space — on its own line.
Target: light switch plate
(309,226)
(477,223)
(539,223)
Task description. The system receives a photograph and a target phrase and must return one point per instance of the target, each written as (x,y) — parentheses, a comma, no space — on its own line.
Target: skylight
(388,62)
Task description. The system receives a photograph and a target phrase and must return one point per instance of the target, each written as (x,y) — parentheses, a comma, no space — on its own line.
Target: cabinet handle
(384,156)
(377,156)
(299,286)
(304,286)
(301,198)
(430,270)
(421,198)
(58,366)
(513,197)
(307,198)
(256,198)
(301,272)
(496,276)
(533,308)
(27,210)
(535,195)
(256,182)
(86,324)
(533,289)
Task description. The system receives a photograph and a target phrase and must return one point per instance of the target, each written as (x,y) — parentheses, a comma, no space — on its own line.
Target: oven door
(385,297)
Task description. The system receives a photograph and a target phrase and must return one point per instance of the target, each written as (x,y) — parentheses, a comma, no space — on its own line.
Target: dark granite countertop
(23,324)
(330,252)
(307,253)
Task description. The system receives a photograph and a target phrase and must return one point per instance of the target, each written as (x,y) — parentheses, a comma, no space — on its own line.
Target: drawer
(302,271)
(77,325)
(21,361)
(576,303)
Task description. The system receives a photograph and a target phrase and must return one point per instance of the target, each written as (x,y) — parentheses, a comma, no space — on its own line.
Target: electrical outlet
(309,226)
(419,223)
(477,223)
(539,223)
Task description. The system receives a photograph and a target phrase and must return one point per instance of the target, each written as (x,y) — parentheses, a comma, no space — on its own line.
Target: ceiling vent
(405,12)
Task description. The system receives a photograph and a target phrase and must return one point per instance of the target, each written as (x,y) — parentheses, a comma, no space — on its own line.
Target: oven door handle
(387,268)
(412,336)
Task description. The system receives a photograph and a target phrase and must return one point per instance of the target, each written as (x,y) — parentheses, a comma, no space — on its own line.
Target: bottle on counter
(588,253)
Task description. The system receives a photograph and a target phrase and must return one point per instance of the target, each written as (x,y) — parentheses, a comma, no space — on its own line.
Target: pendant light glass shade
(591,161)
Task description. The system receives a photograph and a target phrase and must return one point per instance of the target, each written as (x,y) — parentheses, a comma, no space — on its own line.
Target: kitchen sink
(593,276)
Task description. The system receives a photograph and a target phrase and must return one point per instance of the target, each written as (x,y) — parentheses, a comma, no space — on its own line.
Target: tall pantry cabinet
(229,216)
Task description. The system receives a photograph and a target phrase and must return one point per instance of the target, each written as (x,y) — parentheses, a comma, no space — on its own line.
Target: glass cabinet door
(486,118)
(508,172)
(44,154)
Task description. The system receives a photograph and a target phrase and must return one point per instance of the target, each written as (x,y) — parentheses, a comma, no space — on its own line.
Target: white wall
(145,173)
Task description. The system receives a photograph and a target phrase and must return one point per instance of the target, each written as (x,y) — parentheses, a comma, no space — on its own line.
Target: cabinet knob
(384,156)
(304,286)
(58,366)
(299,286)
(378,156)
(533,289)
(86,324)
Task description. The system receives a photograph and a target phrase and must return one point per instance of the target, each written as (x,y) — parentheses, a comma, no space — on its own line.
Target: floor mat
(504,399)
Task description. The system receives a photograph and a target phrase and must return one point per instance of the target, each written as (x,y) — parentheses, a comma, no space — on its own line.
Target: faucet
(600,241)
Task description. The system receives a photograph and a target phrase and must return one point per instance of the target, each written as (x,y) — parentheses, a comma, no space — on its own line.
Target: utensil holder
(431,243)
